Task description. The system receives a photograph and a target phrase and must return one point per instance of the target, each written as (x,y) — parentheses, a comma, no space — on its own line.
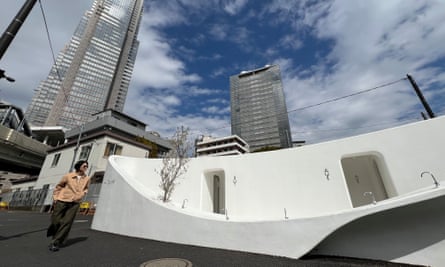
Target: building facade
(258,108)
(92,73)
(223,146)
(110,133)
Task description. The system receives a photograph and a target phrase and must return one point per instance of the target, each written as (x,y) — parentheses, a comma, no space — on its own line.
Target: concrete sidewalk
(23,242)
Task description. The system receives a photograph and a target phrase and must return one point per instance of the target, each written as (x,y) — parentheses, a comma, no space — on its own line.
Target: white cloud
(234,6)
(219,72)
(211,109)
(216,110)
(196,91)
(291,41)
(374,42)
(241,36)
(238,35)
(162,13)
(219,31)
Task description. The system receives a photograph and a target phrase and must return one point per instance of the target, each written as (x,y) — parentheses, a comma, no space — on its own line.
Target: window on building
(112,149)
(85,152)
(55,160)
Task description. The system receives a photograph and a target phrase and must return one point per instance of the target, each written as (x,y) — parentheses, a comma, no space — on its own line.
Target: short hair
(78,164)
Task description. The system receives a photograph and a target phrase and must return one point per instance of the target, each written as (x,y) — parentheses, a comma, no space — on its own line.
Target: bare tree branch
(174,163)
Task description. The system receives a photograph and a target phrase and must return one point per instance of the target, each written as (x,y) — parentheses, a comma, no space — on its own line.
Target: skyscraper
(258,108)
(92,73)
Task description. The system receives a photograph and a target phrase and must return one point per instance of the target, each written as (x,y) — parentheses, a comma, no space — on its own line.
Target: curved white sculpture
(311,199)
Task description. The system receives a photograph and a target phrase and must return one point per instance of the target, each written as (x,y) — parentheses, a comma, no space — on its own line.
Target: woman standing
(67,196)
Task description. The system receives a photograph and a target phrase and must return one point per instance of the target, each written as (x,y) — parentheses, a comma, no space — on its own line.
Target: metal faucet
(436,183)
(183,202)
(372,195)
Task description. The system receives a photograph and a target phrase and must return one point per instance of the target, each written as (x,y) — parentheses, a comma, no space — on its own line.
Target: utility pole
(12,30)
(77,147)
(14,26)
(421,97)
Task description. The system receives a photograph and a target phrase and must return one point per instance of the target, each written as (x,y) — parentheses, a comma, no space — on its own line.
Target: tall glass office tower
(258,108)
(92,73)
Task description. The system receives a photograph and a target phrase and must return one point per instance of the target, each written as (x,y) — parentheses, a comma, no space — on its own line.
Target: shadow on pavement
(72,241)
(21,234)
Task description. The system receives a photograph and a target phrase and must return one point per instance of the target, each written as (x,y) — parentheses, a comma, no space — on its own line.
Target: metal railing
(34,199)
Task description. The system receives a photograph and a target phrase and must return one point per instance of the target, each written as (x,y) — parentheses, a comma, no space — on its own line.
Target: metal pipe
(183,203)
(436,183)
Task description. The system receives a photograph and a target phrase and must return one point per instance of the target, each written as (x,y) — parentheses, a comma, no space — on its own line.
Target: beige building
(223,146)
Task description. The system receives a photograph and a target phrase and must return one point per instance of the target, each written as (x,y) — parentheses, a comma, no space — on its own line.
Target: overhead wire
(360,127)
(325,102)
(56,67)
(346,96)
(49,40)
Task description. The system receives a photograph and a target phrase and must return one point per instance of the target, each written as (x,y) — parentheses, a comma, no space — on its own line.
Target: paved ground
(23,242)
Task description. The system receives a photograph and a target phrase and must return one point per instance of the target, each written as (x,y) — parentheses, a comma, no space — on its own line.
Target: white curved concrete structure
(296,201)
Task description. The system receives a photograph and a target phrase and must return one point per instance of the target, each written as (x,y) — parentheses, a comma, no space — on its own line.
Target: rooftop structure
(223,146)
(122,126)
(49,135)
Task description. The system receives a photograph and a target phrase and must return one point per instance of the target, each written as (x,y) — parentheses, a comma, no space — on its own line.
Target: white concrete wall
(267,183)
(295,178)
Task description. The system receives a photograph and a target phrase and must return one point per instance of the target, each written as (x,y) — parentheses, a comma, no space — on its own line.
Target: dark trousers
(61,220)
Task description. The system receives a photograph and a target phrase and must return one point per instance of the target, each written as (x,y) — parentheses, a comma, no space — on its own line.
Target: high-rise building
(92,73)
(258,108)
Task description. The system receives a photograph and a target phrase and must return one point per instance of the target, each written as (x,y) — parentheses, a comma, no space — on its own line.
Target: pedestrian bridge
(19,152)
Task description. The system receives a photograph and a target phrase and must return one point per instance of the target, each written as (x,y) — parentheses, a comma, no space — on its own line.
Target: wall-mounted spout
(436,183)
(372,195)
(225,212)
(326,173)
(183,203)
(285,214)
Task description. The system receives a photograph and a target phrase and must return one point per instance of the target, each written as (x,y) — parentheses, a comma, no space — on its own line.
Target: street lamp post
(3,75)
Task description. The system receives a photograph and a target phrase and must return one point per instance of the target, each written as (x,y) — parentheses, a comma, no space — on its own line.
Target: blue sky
(325,49)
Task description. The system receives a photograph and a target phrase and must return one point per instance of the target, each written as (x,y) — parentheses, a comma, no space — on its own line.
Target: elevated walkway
(19,152)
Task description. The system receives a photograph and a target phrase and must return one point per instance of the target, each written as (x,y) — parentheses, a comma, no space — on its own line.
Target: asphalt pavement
(23,242)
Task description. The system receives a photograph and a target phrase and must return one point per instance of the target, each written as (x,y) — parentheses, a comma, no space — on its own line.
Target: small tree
(174,163)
